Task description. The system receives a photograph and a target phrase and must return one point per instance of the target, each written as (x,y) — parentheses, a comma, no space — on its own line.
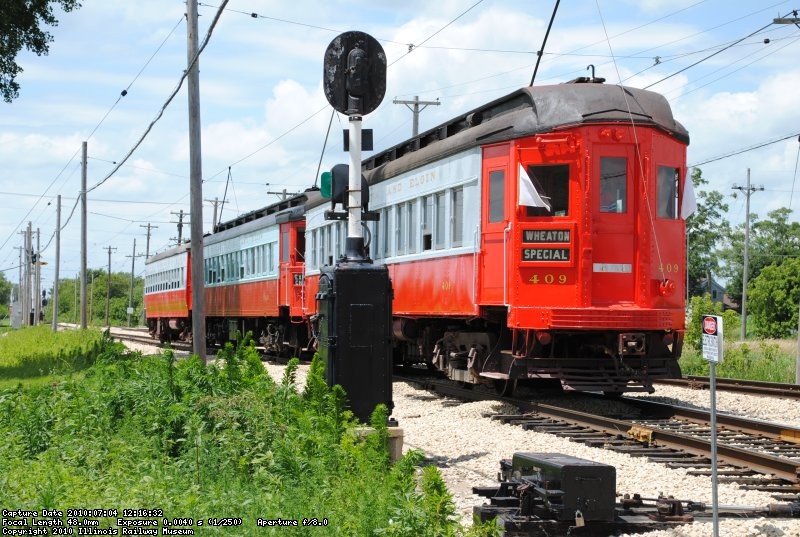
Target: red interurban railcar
(253,281)
(537,236)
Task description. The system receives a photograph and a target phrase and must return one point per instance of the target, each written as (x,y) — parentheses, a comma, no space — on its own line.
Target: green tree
(771,242)
(96,288)
(5,290)
(703,231)
(773,298)
(21,26)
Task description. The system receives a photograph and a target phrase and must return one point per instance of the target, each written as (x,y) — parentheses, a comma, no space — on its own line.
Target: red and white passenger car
(537,236)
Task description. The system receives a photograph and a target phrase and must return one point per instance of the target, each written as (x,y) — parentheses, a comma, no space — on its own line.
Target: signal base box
(354,304)
(565,485)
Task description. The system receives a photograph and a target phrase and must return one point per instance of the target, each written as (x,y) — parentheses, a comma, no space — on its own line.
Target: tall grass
(211,442)
(38,351)
(758,360)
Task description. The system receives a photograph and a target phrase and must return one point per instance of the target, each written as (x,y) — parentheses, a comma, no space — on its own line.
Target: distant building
(717,292)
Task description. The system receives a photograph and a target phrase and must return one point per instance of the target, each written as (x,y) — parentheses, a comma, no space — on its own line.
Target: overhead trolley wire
(712,55)
(308,118)
(168,101)
(72,158)
(745,150)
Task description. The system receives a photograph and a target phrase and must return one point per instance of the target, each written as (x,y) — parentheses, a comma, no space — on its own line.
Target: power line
(169,99)
(711,55)
(412,46)
(122,94)
(307,119)
(746,149)
(769,53)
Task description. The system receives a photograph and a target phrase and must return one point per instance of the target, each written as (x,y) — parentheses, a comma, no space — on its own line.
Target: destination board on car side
(546,235)
(545,254)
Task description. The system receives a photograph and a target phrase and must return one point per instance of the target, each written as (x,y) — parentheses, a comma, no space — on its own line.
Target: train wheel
(505,387)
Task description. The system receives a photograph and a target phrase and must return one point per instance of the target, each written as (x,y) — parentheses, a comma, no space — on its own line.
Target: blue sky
(265,116)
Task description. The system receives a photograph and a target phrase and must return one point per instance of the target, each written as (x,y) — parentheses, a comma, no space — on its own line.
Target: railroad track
(756,454)
(755,387)
(145,339)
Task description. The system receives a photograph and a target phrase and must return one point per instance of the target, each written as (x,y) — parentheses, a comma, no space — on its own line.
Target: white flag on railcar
(689,202)
(528,196)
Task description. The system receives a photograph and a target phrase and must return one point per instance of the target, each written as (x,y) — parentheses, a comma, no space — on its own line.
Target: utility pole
(797,363)
(146,255)
(147,248)
(133,257)
(748,191)
(91,298)
(195,184)
(58,263)
(83,235)
(19,285)
(284,194)
(179,214)
(108,282)
(29,259)
(37,282)
(19,277)
(23,276)
(416,110)
(793,20)
(215,201)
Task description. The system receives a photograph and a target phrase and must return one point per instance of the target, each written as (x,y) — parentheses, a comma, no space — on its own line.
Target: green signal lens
(325,184)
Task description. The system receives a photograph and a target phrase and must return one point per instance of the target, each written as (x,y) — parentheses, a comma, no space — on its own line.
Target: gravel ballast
(467,446)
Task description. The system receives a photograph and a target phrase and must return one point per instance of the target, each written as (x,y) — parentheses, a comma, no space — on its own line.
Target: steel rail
(730,422)
(781,467)
(754,387)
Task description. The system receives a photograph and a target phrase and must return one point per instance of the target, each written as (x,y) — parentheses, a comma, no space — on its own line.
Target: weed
(203,441)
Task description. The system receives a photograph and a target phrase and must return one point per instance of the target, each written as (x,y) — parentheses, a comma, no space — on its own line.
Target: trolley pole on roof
(196,186)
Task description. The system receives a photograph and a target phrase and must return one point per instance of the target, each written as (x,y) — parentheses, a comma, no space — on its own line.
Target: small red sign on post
(712,338)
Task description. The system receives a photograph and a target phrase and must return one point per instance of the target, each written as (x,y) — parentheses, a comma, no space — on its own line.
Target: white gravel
(467,447)
(785,411)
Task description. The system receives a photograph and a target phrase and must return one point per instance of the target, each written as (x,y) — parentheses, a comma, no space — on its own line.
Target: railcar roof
(292,201)
(175,250)
(525,112)
(286,210)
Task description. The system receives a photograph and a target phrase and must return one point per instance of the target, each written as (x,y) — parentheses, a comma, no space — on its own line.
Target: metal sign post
(712,351)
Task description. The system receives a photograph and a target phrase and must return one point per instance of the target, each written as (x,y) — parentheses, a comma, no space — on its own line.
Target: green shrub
(213,441)
(752,360)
